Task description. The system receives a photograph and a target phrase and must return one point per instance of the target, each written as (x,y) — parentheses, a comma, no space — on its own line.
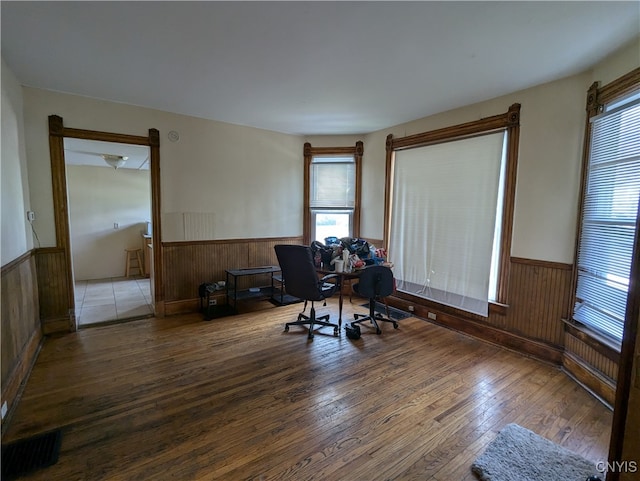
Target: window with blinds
(332,196)
(609,212)
(333,182)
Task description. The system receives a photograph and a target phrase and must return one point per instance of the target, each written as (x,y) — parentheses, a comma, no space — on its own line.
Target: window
(608,217)
(449,211)
(332,192)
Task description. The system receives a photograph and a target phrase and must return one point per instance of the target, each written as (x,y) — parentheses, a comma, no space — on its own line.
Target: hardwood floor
(237,398)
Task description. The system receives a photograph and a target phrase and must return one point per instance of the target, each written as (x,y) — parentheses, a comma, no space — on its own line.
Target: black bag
(326,254)
(353,331)
(360,247)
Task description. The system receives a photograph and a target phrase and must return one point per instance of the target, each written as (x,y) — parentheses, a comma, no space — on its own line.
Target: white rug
(517,454)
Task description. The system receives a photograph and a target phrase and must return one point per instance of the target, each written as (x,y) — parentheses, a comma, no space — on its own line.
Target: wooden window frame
(309,153)
(597,98)
(510,122)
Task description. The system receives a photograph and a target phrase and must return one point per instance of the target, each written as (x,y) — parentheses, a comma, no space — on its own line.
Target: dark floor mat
(30,454)
(395,314)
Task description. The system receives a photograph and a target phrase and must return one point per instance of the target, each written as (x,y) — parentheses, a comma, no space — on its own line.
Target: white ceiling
(307,67)
(90,152)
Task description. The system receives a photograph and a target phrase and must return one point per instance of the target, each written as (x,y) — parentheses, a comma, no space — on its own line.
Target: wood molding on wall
(590,367)
(54,290)
(597,99)
(189,264)
(308,153)
(602,386)
(531,322)
(21,331)
(508,122)
(66,322)
(538,298)
(502,336)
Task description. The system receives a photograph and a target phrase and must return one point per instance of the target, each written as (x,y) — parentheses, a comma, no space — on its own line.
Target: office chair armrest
(328,276)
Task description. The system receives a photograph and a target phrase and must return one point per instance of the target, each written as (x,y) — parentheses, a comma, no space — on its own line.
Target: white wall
(16,236)
(551,130)
(552,123)
(249,181)
(624,60)
(98,198)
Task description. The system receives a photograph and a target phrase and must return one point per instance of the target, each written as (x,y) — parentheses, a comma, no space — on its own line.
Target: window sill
(605,346)
(497,308)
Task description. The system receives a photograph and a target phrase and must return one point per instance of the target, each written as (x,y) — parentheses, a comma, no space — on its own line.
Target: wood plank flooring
(237,398)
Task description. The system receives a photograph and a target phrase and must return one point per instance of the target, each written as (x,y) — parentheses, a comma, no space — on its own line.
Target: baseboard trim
(184,306)
(536,349)
(57,325)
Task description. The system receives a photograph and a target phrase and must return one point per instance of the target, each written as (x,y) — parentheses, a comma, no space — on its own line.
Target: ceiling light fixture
(114,161)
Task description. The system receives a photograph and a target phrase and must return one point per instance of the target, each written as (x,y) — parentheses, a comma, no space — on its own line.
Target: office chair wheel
(310,335)
(378,331)
(286,328)
(395,325)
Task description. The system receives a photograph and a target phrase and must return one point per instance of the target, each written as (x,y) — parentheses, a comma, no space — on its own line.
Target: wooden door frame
(57,133)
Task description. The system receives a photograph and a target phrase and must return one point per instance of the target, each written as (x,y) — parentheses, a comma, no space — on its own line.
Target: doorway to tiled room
(109,194)
(112,300)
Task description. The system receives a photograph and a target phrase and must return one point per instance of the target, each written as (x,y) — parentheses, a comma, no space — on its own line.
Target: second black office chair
(301,280)
(375,282)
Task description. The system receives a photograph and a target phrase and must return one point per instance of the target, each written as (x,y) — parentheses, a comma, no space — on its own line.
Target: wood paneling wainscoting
(189,264)
(539,297)
(56,295)
(591,363)
(21,332)
(531,323)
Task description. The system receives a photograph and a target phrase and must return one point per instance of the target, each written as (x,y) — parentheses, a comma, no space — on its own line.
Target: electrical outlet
(410,308)
(116,225)
(31,215)
(213,301)
(3,411)
(431,315)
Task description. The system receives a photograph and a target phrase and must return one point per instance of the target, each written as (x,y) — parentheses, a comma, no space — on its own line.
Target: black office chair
(301,280)
(375,282)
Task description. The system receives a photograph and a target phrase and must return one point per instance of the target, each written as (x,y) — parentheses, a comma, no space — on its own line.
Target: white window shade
(609,213)
(443,217)
(333,182)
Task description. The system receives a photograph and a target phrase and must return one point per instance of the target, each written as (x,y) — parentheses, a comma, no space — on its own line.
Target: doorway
(109,201)
(64,275)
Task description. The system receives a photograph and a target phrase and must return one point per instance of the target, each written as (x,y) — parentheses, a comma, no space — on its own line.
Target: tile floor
(102,300)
